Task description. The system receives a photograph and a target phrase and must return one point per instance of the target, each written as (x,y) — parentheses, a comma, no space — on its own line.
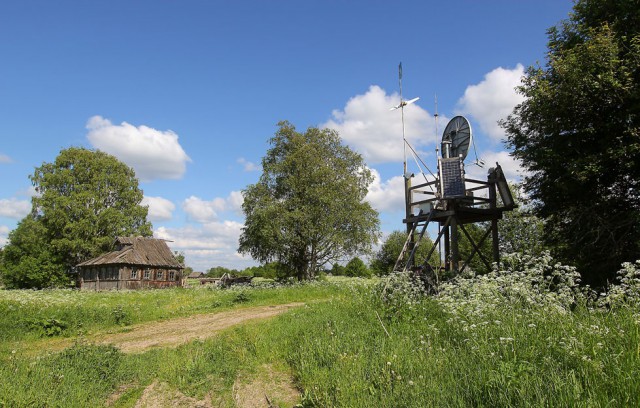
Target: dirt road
(171,333)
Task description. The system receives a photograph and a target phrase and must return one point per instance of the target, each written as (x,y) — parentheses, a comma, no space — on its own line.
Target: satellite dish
(456,138)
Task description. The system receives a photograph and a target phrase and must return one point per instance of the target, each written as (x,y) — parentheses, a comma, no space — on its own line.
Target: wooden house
(136,263)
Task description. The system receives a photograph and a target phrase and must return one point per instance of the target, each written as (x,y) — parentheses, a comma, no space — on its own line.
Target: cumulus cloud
(208,245)
(234,202)
(367,125)
(247,165)
(203,211)
(160,209)
(511,167)
(4,235)
(492,99)
(5,159)
(386,195)
(153,154)
(14,208)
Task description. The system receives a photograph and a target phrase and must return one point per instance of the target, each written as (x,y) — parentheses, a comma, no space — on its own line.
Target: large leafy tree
(308,207)
(578,133)
(84,200)
(520,231)
(357,268)
(386,257)
(29,260)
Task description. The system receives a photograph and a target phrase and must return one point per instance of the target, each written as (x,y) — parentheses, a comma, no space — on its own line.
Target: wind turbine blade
(404,103)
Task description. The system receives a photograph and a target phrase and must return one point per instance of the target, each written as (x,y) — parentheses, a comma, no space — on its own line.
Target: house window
(172,275)
(147,273)
(134,273)
(160,275)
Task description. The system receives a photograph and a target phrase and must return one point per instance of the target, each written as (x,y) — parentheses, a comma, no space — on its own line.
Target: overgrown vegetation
(527,335)
(29,315)
(577,133)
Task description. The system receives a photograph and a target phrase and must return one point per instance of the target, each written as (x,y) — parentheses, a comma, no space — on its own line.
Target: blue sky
(188,93)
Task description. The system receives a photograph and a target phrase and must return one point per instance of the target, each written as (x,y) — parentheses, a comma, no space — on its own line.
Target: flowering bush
(400,293)
(526,281)
(627,291)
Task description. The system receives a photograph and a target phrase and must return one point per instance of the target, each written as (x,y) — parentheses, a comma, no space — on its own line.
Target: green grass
(28,314)
(485,342)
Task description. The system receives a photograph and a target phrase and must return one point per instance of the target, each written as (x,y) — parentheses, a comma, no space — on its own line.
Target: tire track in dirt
(172,333)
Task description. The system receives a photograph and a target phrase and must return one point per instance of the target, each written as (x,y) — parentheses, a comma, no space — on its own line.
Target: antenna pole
(435,118)
(435,115)
(407,180)
(404,140)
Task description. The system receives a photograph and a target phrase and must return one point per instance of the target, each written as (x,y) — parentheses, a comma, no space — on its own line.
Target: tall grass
(526,336)
(29,314)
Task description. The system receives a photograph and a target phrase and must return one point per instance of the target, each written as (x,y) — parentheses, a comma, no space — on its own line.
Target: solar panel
(452,177)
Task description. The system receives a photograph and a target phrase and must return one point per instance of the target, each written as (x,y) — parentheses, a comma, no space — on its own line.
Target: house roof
(196,275)
(137,251)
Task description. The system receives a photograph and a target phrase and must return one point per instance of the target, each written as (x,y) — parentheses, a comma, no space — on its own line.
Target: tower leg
(455,253)
(447,248)
(495,241)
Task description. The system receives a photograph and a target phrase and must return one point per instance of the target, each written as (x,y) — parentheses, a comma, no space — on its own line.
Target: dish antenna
(456,138)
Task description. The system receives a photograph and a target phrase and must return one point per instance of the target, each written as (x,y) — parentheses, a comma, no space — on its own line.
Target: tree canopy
(84,200)
(520,231)
(29,261)
(308,207)
(578,133)
(386,257)
(357,268)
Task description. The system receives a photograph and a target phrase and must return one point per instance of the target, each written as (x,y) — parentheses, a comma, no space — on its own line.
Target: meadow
(528,335)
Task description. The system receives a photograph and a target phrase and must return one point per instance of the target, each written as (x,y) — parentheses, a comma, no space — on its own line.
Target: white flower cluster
(526,283)
(627,291)
(400,293)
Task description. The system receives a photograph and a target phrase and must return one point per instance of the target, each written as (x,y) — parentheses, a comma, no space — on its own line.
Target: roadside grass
(512,338)
(29,314)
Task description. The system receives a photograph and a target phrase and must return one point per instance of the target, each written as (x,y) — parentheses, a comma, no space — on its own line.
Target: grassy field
(528,336)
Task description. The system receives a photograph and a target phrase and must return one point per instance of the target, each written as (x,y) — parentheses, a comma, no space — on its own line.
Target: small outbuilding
(195,275)
(136,263)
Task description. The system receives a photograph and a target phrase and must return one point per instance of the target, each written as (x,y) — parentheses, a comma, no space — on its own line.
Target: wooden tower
(452,202)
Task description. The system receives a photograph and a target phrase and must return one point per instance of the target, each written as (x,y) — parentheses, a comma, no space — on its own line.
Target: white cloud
(14,208)
(492,99)
(152,153)
(160,209)
(247,165)
(28,192)
(511,167)
(386,195)
(367,125)
(4,234)
(203,211)
(235,201)
(208,245)
(5,159)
